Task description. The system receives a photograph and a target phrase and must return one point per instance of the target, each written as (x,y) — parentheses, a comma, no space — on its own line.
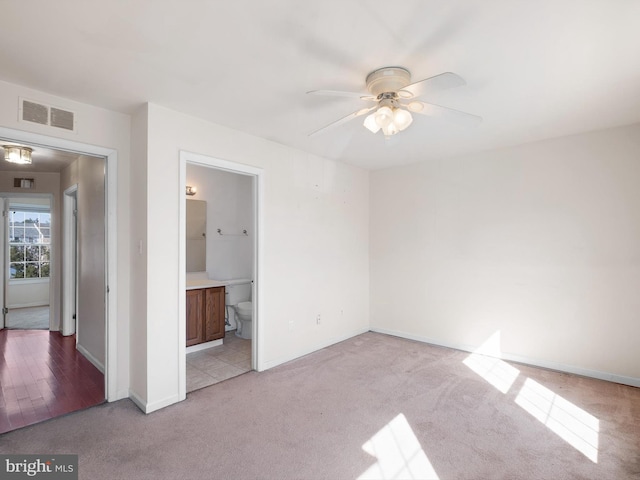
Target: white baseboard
(301,353)
(137,399)
(203,346)
(28,305)
(149,407)
(609,377)
(120,394)
(96,363)
(165,402)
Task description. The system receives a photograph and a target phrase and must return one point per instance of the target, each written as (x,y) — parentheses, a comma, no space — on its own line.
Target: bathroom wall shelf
(243,233)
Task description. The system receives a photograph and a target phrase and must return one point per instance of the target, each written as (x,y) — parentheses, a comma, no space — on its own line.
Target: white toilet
(238,296)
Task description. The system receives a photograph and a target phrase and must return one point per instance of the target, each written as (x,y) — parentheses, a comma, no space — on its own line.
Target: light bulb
(17,154)
(402,118)
(384,116)
(371,124)
(390,129)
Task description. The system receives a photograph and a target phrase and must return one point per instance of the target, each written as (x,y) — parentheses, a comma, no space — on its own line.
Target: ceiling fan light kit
(389,87)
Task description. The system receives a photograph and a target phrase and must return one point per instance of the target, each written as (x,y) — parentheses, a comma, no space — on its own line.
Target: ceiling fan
(395,99)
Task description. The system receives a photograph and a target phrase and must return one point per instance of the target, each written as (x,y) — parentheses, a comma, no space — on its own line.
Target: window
(29,244)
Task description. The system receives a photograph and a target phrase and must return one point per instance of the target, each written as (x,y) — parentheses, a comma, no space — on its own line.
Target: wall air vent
(43,114)
(34,112)
(23,183)
(62,118)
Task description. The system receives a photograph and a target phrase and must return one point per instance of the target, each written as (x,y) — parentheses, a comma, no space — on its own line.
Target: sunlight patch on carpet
(398,453)
(571,423)
(483,361)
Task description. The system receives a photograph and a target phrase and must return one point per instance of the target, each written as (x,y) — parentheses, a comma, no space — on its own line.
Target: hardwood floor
(42,376)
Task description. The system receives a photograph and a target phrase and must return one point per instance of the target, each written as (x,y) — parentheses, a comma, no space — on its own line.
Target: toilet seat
(244,308)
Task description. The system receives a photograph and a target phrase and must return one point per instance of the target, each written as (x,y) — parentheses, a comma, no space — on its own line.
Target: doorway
(111,223)
(70,254)
(25,263)
(253,235)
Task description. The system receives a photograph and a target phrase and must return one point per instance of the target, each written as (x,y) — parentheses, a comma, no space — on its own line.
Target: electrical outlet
(318,319)
(290,325)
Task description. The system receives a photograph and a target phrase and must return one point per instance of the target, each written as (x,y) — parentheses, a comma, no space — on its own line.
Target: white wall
(89,174)
(139,293)
(316,232)
(540,242)
(229,198)
(31,294)
(111,130)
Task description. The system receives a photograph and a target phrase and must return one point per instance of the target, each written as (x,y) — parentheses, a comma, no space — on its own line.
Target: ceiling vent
(43,114)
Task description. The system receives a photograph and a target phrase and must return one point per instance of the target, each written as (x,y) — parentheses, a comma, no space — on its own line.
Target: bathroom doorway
(229,195)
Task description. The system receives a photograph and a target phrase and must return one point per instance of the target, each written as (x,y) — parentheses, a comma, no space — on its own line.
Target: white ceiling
(534,70)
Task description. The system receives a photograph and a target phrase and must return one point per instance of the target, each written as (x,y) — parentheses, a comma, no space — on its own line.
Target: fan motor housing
(388,79)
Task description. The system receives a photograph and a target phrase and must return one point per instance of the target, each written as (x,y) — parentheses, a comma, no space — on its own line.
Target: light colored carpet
(373,406)
(29,318)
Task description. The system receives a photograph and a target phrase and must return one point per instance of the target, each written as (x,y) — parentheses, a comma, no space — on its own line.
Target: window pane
(31,233)
(45,253)
(45,219)
(17,234)
(32,253)
(44,270)
(16,270)
(45,235)
(16,217)
(30,218)
(16,253)
(32,270)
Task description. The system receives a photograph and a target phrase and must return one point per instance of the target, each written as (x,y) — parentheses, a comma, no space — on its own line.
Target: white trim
(4,257)
(203,346)
(137,399)
(182,281)
(28,281)
(315,348)
(28,305)
(111,156)
(560,367)
(258,323)
(152,407)
(96,363)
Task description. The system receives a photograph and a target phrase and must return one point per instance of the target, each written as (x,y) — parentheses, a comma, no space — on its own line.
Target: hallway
(43,376)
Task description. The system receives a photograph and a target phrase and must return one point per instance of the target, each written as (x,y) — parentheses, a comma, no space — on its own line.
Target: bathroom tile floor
(208,367)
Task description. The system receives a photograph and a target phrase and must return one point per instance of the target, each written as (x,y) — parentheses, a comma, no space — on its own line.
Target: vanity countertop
(193,284)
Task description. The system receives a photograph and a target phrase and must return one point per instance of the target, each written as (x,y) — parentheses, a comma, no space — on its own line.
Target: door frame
(70,266)
(111,225)
(3,259)
(258,226)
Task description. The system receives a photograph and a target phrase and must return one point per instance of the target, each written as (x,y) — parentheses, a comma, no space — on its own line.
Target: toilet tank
(237,291)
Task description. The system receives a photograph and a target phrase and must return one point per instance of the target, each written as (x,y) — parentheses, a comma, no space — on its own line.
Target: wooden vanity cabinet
(205,315)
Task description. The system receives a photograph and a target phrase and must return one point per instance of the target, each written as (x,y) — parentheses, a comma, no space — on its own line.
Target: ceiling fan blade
(432,84)
(338,93)
(446,113)
(351,116)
